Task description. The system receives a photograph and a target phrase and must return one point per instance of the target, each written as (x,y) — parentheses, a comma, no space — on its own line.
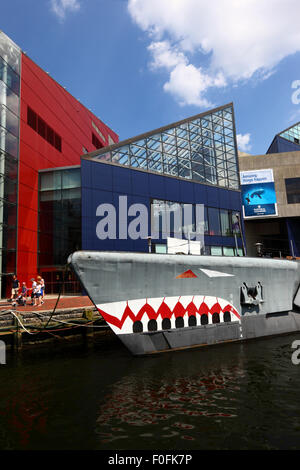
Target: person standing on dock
(15,288)
(33,286)
(38,294)
(42,282)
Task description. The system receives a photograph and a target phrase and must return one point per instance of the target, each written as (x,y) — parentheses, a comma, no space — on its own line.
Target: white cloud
(243,142)
(61,7)
(236,40)
(187,83)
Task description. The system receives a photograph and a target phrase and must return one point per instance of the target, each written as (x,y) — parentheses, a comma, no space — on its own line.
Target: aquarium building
(41,126)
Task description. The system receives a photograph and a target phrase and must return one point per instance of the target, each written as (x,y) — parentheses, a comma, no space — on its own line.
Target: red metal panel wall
(73,122)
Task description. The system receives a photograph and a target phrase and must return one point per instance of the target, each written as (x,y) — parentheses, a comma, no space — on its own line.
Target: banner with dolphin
(258,193)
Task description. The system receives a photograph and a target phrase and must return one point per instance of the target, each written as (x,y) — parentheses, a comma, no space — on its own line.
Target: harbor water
(230,396)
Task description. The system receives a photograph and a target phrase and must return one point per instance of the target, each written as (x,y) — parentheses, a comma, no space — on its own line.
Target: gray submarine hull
(157,303)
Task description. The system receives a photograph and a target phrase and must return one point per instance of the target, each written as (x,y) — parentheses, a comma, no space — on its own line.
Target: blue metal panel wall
(281,145)
(104,183)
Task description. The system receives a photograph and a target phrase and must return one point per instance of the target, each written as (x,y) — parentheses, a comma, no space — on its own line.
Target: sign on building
(258,193)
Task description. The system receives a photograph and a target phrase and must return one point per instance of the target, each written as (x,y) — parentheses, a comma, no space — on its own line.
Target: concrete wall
(285,165)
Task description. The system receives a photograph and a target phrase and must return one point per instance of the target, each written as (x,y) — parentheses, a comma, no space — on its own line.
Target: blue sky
(142,64)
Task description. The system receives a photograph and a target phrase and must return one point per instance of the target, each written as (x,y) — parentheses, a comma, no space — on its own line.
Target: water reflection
(172,405)
(237,396)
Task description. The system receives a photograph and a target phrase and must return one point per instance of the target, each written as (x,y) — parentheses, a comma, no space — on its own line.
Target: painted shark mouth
(163,313)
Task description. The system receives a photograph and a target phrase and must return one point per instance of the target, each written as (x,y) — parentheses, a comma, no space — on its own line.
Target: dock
(59,319)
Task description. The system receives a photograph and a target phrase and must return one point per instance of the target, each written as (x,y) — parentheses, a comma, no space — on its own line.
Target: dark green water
(235,396)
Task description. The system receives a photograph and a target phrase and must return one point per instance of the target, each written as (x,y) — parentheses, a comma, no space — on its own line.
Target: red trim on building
(73,123)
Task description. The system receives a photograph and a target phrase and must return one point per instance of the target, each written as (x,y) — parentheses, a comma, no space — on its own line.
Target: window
(292,186)
(42,128)
(225,223)
(96,142)
(214,221)
(216,251)
(228,251)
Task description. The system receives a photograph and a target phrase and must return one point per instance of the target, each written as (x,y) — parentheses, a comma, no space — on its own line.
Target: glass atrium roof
(292,134)
(201,148)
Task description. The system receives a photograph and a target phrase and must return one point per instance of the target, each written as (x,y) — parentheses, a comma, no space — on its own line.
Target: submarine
(159,303)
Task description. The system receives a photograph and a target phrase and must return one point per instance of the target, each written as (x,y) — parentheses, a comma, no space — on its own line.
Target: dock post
(17,343)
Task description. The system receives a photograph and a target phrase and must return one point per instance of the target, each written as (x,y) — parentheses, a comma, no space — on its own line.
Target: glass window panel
(170,170)
(229,140)
(154,155)
(160,248)
(198,176)
(223,182)
(182,132)
(220,154)
(9,213)
(233,184)
(196,139)
(207,133)
(137,162)
(214,221)
(292,186)
(71,178)
(184,163)
(216,251)
(171,149)
(106,157)
(228,251)
(138,151)
(184,172)
(228,132)
(50,180)
(155,166)
(225,223)
(221,164)
(10,52)
(121,158)
(170,131)
(50,195)
(9,143)
(210,174)
(10,120)
(10,166)
(140,143)
(72,193)
(169,139)
(208,142)
(153,144)
(182,143)
(9,98)
(218,137)
(170,159)
(199,167)
(232,174)
(10,190)
(209,157)
(196,147)
(197,157)
(194,128)
(221,173)
(206,229)
(216,119)
(229,148)
(183,153)
(206,123)
(9,77)
(219,146)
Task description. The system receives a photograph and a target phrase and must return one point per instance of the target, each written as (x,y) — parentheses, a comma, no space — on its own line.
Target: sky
(142,64)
